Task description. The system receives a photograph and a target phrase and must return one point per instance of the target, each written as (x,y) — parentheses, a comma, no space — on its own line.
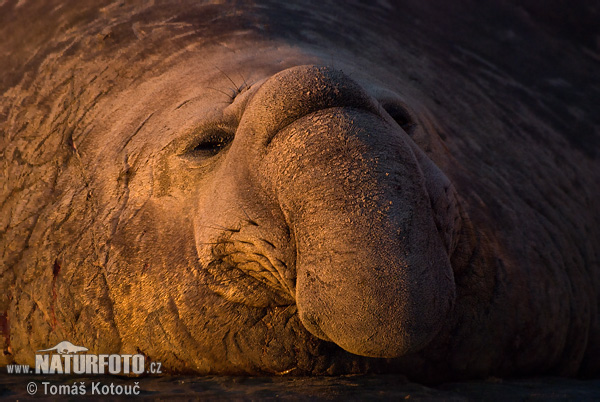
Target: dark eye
(209,144)
(399,112)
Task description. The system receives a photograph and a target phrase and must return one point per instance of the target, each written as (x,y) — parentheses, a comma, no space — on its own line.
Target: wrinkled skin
(246,201)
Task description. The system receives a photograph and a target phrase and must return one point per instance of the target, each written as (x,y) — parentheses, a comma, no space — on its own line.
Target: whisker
(248,219)
(229,78)
(231,97)
(245,83)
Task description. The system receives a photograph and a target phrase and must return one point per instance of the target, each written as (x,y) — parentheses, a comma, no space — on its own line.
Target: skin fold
(226,195)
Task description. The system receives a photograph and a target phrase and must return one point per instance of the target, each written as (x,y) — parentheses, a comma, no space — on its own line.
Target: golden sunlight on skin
(250,193)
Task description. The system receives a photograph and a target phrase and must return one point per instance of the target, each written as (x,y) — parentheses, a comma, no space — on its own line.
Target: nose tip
(296,92)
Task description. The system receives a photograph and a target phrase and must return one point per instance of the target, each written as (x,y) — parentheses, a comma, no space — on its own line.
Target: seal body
(228,193)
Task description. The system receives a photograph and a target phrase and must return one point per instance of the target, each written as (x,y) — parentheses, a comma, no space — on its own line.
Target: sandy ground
(371,387)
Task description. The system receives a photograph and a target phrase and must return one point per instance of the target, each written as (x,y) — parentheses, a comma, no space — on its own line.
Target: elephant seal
(289,189)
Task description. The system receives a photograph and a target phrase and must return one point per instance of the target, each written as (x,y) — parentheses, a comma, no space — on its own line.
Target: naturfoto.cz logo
(66,358)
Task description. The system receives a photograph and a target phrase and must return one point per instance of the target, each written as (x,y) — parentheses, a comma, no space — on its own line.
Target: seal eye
(400,113)
(209,144)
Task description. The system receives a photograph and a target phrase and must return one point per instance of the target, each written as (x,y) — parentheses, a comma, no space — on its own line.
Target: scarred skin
(227,198)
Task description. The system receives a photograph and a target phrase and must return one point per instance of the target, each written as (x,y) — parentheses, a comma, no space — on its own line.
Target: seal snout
(373,274)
